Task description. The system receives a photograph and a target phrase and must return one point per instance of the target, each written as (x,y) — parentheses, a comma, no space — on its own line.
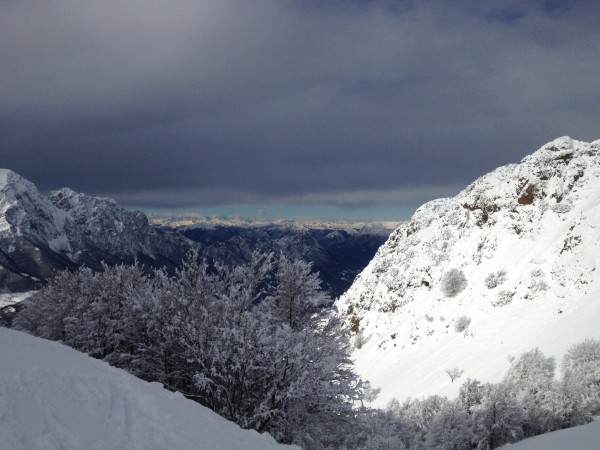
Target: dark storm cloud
(333,102)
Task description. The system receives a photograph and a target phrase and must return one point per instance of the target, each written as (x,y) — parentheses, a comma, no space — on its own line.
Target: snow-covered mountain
(40,234)
(511,263)
(53,397)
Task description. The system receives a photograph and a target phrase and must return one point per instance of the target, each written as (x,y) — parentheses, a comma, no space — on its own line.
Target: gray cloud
(218,101)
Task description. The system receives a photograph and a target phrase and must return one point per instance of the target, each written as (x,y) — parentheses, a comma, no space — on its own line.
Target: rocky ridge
(40,234)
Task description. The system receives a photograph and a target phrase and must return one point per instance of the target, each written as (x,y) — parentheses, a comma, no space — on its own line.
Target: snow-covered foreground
(585,437)
(53,397)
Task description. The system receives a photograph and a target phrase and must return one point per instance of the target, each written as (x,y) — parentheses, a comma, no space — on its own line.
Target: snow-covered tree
(498,419)
(450,429)
(582,361)
(529,379)
(417,415)
(454,373)
(575,398)
(567,404)
(470,395)
(298,292)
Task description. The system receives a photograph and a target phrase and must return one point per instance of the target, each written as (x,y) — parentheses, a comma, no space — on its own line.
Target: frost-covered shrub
(561,208)
(504,298)
(359,340)
(381,266)
(538,285)
(461,324)
(453,282)
(536,273)
(495,279)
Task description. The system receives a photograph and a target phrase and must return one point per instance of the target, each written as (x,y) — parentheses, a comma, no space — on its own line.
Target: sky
(350,108)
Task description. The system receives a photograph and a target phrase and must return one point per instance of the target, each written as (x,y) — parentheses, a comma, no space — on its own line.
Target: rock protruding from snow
(40,234)
(53,397)
(517,252)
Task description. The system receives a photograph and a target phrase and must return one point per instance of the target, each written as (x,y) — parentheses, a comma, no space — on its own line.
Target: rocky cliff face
(40,234)
(101,230)
(510,263)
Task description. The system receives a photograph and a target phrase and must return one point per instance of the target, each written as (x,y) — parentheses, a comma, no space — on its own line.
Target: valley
(491,294)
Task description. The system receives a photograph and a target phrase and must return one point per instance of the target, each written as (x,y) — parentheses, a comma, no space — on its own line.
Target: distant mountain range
(337,254)
(509,264)
(64,229)
(197,220)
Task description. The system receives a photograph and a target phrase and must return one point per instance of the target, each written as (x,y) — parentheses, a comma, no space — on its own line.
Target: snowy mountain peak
(513,253)
(24,211)
(11,183)
(5,176)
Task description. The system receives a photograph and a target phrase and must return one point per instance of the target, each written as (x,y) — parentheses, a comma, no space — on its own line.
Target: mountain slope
(53,397)
(40,234)
(516,252)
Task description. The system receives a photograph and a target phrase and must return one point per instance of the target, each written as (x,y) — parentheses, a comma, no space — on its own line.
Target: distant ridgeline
(40,234)
(337,254)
